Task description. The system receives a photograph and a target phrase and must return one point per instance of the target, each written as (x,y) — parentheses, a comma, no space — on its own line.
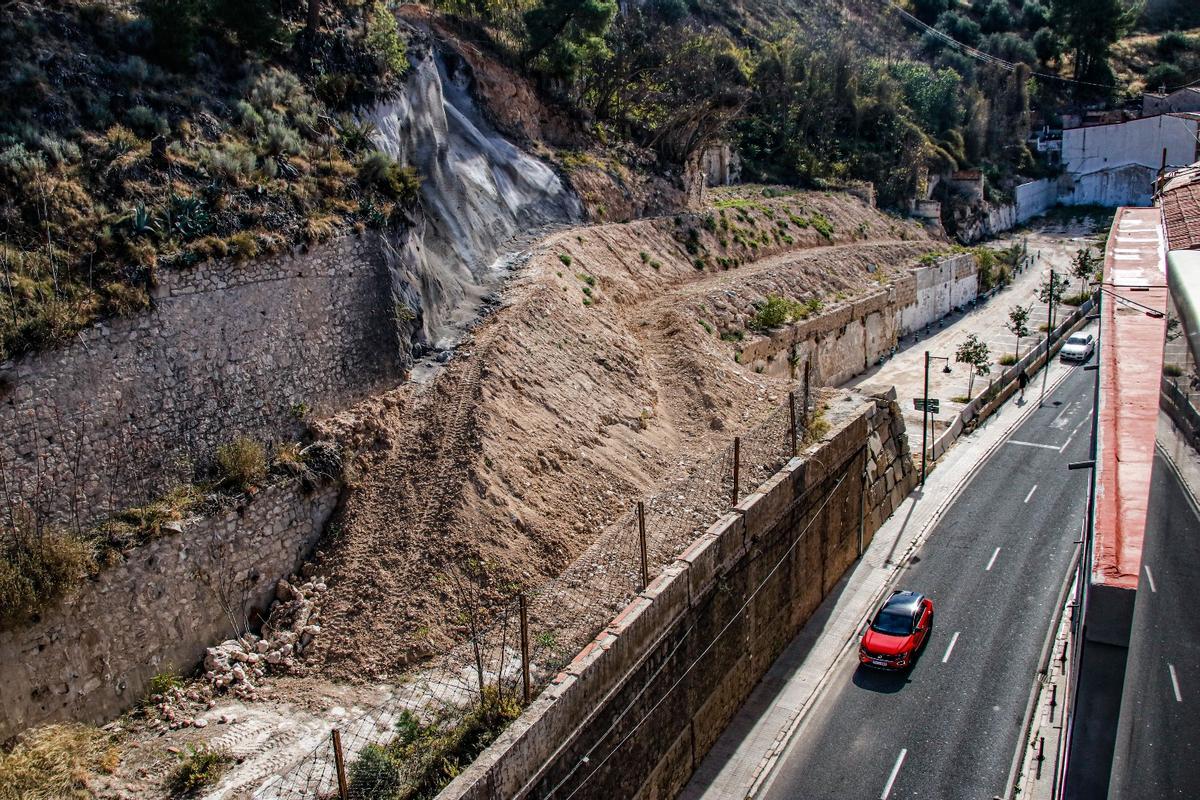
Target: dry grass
(55,763)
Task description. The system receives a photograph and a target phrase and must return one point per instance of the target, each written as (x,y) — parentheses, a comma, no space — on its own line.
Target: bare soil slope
(596,382)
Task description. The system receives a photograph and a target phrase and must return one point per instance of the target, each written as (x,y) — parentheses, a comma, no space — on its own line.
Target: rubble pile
(237,665)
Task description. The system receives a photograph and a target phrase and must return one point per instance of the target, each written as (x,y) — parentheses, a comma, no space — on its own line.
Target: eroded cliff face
(482,198)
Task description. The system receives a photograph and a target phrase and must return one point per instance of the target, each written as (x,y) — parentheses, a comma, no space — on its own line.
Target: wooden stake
(525,688)
(807,396)
(737,458)
(641,509)
(339,762)
(792,420)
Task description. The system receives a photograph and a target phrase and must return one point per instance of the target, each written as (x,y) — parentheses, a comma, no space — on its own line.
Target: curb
(766,766)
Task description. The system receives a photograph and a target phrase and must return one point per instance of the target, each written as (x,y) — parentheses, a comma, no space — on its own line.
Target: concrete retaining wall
(851,337)
(639,707)
(91,656)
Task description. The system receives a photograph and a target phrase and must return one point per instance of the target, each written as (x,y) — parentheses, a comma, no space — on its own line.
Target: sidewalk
(906,370)
(747,750)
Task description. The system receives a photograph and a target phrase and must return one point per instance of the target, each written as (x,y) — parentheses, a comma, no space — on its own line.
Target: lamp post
(925,412)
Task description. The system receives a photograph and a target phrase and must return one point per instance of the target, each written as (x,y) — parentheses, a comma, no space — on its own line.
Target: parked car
(1078,348)
(898,631)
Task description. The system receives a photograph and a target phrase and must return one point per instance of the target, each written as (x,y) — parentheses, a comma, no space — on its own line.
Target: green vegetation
(1172,370)
(1018,326)
(199,766)
(1007,360)
(135,139)
(775,311)
(242,463)
(975,354)
(38,566)
(425,756)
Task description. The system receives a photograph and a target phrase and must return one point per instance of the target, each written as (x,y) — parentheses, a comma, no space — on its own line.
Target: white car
(1078,348)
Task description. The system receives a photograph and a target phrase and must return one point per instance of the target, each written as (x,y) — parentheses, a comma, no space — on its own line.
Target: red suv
(899,629)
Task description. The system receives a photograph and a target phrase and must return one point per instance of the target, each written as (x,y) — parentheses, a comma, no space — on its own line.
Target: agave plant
(355,135)
(189,218)
(141,221)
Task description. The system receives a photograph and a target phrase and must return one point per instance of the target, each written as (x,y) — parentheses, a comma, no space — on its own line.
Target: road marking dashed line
(992,560)
(1033,444)
(1175,683)
(953,641)
(892,778)
(1150,578)
(1031,491)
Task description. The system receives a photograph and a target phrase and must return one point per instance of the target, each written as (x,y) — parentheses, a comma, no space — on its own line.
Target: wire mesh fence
(450,709)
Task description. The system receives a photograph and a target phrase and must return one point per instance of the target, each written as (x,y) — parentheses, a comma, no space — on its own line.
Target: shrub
(384,41)
(375,774)
(822,225)
(279,140)
(37,568)
(1007,360)
(242,462)
(775,311)
(565,259)
(231,161)
(1164,75)
(1171,43)
(146,122)
(389,177)
(1076,299)
(1172,370)
(54,762)
(198,767)
(162,682)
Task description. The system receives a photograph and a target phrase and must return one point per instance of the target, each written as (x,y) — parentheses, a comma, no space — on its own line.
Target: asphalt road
(1158,741)
(994,566)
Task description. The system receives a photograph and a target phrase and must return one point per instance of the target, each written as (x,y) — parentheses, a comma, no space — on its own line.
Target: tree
(1018,325)
(1051,292)
(564,34)
(974,353)
(1090,28)
(1083,267)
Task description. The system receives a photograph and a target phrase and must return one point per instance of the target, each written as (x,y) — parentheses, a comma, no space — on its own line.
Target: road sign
(933,405)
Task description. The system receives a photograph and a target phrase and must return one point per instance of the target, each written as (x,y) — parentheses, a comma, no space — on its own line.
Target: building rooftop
(1130,370)
(1179,200)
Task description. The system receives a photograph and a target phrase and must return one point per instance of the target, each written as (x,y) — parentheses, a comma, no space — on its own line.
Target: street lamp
(925,411)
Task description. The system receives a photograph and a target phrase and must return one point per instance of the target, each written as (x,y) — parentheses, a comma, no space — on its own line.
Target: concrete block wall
(638,708)
(228,349)
(91,656)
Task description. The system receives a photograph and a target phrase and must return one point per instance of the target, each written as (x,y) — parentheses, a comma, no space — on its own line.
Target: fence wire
(451,708)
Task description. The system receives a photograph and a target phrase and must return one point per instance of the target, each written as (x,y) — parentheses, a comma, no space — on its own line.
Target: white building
(1116,164)
(1185,99)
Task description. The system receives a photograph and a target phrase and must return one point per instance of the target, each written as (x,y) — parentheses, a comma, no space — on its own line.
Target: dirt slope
(593,384)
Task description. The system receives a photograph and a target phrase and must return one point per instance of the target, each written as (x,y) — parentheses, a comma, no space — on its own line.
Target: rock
(262,646)
(201,723)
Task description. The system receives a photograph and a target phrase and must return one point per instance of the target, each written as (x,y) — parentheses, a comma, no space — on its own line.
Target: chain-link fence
(445,713)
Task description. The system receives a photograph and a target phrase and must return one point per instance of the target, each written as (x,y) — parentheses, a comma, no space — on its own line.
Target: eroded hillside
(612,366)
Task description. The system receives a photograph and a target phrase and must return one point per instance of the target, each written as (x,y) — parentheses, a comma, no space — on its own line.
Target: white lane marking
(950,649)
(1150,577)
(1174,684)
(1072,436)
(992,560)
(1033,444)
(892,778)
(1031,491)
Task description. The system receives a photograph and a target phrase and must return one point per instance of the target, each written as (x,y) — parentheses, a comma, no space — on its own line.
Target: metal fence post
(641,514)
(524,606)
(737,458)
(339,762)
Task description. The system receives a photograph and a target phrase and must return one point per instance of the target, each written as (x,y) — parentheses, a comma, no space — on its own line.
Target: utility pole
(925,422)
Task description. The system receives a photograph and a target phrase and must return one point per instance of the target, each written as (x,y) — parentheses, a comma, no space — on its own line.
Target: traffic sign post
(933,405)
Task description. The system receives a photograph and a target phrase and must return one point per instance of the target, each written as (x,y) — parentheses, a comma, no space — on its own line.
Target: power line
(586,756)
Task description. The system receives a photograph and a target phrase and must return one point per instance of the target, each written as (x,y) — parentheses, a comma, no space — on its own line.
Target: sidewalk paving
(744,755)
(906,370)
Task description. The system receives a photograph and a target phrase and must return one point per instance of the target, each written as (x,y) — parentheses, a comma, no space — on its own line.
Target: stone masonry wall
(91,656)
(228,349)
(637,710)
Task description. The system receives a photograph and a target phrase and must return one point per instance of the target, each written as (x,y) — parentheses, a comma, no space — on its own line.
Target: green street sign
(933,405)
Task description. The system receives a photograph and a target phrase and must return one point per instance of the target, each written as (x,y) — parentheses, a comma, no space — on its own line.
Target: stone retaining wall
(228,349)
(92,656)
(637,710)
